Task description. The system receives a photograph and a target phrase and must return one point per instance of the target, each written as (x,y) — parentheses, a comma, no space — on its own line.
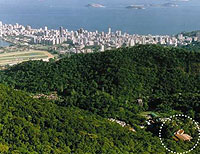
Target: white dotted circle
(169,119)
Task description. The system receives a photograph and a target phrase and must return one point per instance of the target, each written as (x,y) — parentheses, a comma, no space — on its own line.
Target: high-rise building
(46,33)
(28,27)
(132,42)
(61,31)
(80,31)
(102,33)
(45,28)
(109,31)
(17,25)
(1,24)
(118,33)
(76,33)
(180,36)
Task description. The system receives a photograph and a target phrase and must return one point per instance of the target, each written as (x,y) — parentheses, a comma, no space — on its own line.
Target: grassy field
(18,57)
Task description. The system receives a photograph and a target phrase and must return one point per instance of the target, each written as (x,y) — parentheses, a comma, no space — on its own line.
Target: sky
(33,3)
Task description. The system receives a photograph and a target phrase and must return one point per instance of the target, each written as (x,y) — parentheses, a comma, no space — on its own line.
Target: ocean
(73,14)
(4,44)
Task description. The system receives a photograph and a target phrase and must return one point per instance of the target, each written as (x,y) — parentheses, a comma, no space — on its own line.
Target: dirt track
(17,57)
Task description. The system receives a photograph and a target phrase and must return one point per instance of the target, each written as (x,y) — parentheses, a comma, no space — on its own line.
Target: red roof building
(181,136)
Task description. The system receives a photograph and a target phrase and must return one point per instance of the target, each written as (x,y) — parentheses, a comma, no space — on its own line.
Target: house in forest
(179,135)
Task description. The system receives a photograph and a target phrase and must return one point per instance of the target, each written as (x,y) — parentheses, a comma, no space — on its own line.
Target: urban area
(83,41)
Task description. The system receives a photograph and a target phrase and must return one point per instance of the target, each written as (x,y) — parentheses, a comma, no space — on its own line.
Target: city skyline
(84,41)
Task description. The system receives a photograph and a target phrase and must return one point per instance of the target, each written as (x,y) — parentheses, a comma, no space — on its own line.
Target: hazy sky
(78,2)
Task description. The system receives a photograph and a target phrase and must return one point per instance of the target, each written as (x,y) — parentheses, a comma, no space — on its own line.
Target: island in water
(95,5)
(151,5)
(169,5)
(163,5)
(135,7)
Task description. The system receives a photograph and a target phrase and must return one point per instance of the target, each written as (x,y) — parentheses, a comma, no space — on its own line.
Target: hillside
(110,83)
(134,71)
(35,126)
(125,84)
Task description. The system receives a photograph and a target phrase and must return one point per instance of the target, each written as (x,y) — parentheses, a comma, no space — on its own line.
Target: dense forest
(34,126)
(121,84)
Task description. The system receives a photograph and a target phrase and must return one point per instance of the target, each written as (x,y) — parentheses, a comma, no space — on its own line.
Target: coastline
(4,42)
